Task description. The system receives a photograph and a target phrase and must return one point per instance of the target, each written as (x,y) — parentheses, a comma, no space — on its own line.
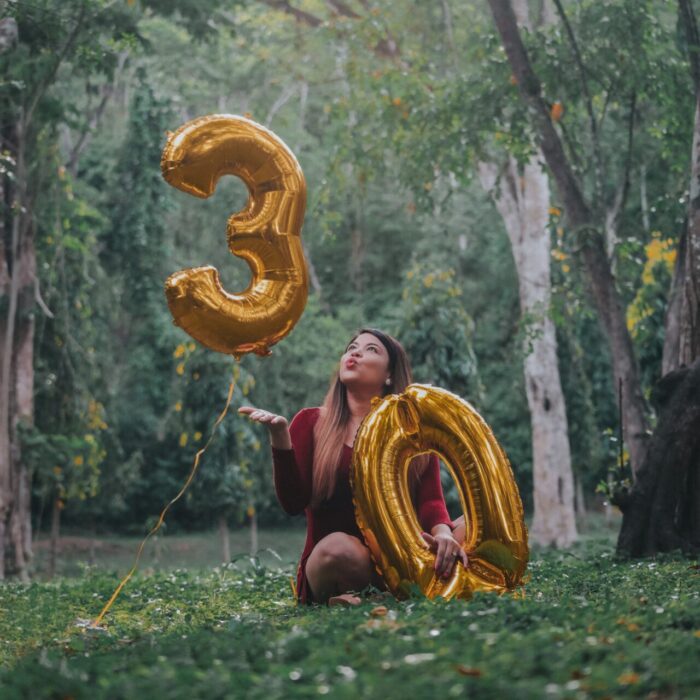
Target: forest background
(408,121)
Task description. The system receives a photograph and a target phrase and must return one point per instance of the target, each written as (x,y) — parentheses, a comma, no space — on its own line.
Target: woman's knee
(339,550)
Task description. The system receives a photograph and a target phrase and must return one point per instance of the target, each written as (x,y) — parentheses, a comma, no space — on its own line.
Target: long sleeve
(431,501)
(292,468)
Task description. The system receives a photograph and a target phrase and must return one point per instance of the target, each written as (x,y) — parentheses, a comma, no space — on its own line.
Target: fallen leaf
(468,670)
(628,678)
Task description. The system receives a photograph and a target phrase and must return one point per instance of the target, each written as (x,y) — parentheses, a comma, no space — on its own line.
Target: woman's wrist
(280,438)
(441,529)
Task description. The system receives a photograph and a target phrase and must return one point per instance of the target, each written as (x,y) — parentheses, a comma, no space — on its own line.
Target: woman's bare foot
(345,599)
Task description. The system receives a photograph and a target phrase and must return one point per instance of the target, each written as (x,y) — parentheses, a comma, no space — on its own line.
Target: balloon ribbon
(156,527)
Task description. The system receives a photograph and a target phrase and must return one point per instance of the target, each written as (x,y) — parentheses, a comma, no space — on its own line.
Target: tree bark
(689,341)
(17,286)
(592,253)
(225,540)
(523,202)
(662,511)
(23,361)
(254,532)
(670,359)
(689,345)
(5,478)
(580,499)
(55,534)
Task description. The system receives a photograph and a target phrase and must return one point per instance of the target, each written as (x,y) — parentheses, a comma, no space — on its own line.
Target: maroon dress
(292,470)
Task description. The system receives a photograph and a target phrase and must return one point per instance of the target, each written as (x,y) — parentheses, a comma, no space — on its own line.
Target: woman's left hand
(447,552)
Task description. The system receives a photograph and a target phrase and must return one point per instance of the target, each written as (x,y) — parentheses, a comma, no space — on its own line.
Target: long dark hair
(329,431)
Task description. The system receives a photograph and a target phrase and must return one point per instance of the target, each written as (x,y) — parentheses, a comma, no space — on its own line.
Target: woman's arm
(292,466)
(434,518)
(441,529)
(432,510)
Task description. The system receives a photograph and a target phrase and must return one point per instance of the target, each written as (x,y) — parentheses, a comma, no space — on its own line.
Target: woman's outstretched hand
(277,425)
(447,552)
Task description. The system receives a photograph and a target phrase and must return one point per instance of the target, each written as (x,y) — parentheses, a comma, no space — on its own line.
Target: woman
(311,467)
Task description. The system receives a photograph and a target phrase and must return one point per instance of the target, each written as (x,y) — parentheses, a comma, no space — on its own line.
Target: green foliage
(76,464)
(227,484)
(388,145)
(437,331)
(135,245)
(646,313)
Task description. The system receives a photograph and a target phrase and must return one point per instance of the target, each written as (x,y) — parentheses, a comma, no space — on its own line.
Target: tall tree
(662,508)
(522,197)
(30,117)
(587,227)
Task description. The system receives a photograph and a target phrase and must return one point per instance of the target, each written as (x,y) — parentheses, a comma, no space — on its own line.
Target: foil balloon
(429,419)
(265,233)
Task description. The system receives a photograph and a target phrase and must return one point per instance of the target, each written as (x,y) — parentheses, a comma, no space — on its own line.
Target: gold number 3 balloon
(266,233)
(428,419)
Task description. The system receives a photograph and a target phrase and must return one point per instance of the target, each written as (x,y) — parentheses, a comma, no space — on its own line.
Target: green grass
(588,627)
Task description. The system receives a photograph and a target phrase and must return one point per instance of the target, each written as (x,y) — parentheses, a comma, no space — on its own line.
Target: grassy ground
(588,627)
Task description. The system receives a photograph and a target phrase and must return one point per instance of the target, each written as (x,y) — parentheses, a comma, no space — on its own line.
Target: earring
(388,381)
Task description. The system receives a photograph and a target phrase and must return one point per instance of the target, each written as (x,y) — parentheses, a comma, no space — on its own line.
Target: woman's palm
(272,420)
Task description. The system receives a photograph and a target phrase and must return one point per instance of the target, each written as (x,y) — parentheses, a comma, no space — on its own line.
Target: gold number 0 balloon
(428,419)
(266,233)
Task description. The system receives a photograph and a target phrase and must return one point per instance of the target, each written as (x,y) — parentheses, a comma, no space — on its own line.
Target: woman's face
(365,363)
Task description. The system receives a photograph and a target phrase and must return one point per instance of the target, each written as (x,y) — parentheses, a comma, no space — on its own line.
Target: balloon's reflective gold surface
(429,419)
(266,233)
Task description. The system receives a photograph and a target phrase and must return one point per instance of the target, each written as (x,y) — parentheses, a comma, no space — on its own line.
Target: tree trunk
(225,540)
(5,477)
(23,371)
(662,511)
(20,524)
(357,249)
(55,534)
(523,202)
(17,293)
(672,330)
(157,550)
(254,533)
(580,500)
(607,300)
(689,345)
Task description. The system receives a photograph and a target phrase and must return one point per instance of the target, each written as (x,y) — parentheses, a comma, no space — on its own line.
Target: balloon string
(156,527)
